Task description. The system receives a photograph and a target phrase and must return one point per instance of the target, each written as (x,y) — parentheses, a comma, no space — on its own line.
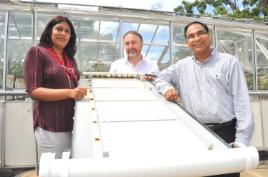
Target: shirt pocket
(220,77)
(219,83)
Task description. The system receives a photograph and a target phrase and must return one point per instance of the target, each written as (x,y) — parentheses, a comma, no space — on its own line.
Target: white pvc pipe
(212,162)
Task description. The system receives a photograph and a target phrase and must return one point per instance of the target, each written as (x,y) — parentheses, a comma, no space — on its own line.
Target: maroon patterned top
(42,70)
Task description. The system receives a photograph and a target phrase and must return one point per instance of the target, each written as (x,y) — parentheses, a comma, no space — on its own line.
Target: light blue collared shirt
(144,66)
(214,91)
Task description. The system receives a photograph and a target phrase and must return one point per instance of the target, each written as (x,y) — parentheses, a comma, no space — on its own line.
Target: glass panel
(96,47)
(147,31)
(180,49)
(178,34)
(180,52)
(41,23)
(127,26)
(86,30)
(262,60)
(144,49)
(96,56)
(155,52)
(109,30)
(20,39)
(2,41)
(239,44)
(20,25)
(86,55)
(165,60)
(15,62)
(162,35)
(108,52)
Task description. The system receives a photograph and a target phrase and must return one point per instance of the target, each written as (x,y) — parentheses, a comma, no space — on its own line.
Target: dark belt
(220,126)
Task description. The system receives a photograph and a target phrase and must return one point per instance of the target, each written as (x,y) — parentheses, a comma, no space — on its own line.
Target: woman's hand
(79,92)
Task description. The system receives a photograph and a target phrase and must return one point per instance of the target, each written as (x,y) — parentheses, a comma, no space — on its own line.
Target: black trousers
(228,135)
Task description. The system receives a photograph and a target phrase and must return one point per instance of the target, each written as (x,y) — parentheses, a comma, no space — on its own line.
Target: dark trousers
(228,135)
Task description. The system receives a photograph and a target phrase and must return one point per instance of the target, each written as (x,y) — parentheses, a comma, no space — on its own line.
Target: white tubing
(212,162)
(252,158)
(45,160)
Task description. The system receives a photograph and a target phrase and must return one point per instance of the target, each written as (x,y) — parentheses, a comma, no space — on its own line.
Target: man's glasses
(198,34)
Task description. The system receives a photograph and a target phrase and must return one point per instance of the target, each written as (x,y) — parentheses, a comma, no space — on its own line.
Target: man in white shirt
(134,62)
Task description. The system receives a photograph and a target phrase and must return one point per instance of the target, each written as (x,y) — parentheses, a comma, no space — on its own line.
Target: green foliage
(251,9)
(16,69)
(220,11)
(263,82)
(249,79)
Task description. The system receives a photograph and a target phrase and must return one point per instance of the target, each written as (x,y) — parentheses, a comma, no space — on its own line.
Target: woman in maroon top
(51,77)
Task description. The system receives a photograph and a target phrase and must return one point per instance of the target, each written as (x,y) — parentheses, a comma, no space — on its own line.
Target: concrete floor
(260,171)
(31,173)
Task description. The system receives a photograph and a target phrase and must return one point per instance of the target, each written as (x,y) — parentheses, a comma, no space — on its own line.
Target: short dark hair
(195,22)
(45,39)
(134,33)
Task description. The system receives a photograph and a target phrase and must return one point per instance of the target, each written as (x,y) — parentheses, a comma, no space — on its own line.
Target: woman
(51,77)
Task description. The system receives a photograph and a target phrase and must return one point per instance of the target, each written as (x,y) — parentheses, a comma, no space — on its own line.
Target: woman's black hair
(45,39)
(195,22)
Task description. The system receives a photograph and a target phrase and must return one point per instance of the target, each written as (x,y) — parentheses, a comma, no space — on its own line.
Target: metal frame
(139,16)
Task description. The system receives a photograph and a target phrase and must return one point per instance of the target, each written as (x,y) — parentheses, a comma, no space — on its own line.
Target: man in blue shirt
(212,87)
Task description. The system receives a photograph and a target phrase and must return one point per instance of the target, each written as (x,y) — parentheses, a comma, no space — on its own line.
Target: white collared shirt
(144,66)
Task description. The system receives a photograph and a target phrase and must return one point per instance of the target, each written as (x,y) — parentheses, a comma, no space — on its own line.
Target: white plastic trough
(124,128)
